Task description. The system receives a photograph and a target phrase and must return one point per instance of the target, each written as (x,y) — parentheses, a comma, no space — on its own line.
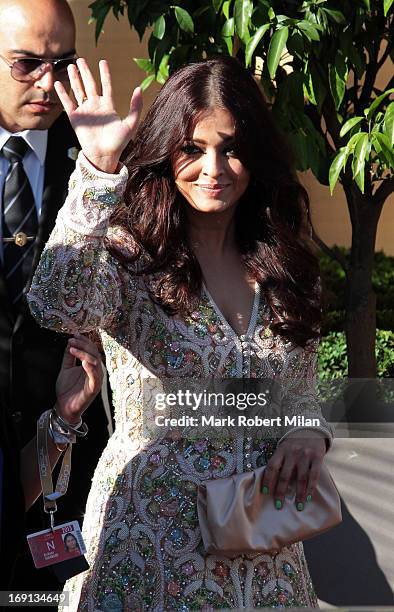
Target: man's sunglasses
(32,68)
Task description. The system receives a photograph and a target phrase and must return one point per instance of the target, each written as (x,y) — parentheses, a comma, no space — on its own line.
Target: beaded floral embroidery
(141,528)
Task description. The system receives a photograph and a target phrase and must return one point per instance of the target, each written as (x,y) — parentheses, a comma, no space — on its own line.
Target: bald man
(37,155)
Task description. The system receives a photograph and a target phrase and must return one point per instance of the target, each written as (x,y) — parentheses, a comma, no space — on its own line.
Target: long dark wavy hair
(271,219)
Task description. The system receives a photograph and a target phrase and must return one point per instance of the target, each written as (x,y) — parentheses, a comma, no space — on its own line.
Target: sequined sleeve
(76,284)
(300,405)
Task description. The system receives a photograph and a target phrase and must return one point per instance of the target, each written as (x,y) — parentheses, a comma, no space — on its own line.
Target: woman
(71,545)
(202,272)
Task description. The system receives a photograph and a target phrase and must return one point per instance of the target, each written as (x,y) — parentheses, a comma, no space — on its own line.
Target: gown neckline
(252,316)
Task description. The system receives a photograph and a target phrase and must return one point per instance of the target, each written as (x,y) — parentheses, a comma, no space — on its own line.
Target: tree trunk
(360,298)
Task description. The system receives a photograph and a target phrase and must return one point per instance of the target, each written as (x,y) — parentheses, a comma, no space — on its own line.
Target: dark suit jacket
(30,356)
(13,506)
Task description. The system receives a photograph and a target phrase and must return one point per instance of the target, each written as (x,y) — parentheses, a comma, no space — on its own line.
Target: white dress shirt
(33,163)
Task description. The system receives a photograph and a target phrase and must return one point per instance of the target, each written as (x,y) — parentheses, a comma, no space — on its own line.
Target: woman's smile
(207,171)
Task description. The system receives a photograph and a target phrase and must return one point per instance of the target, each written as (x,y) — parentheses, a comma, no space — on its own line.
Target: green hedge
(333,359)
(333,278)
(332,353)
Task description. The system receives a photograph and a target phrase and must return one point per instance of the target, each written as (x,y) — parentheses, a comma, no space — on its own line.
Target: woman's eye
(190,149)
(231,152)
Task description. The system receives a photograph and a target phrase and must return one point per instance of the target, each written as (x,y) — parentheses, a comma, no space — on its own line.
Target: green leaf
(386,6)
(163,72)
(319,88)
(277,45)
(359,154)
(298,144)
(242,13)
(295,44)
(359,179)
(338,74)
(226,9)
(184,19)
(349,125)
(388,124)
(148,81)
(294,87)
(228,41)
(309,30)
(357,58)
(253,42)
(271,13)
(308,85)
(335,15)
(228,28)
(338,163)
(386,148)
(159,27)
(144,64)
(352,143)
(201,11)
(99,16)
(369,111)
(216,4)
(228,33)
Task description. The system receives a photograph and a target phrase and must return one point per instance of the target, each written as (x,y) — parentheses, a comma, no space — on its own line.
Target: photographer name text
(240,420)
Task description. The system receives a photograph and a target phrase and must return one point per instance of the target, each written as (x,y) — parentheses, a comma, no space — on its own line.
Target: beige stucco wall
(119,45)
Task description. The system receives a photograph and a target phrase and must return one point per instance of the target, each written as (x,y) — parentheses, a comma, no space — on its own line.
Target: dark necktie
(19,220)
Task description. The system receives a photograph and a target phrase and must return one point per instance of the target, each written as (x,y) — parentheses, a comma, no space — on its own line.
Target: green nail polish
(300,506)
(278,504)
(309,498)
(265,490)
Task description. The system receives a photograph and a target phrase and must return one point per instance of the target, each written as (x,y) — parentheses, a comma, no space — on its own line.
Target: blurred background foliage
(318,64)
(332,350)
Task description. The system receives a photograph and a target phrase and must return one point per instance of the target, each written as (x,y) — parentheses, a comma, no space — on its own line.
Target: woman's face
(208,172)
(71,542)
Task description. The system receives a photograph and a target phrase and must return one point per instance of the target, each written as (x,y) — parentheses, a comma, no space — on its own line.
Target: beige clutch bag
(236,518)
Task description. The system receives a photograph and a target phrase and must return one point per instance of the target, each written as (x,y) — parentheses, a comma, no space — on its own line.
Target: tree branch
(384,190)
(333,253)
(384,56)
(331,120)
(390,84)
(369,81)
(311,112)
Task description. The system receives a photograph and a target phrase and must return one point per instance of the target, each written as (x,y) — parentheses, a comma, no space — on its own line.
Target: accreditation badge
(61,547)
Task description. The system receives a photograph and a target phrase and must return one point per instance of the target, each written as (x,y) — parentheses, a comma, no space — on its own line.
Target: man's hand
(78,385)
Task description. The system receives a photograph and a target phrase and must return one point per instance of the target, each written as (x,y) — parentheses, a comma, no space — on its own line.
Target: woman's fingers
(88,81)
(106,81)
(299,459)
(303,471)
(136,104)
(271,473)
(283,481)
(68,105)
(314,474)
(76,84)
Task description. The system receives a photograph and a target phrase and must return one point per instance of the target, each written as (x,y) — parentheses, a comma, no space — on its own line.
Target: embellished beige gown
(141,528)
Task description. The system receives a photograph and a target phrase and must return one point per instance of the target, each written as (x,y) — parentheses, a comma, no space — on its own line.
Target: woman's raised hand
(102,134)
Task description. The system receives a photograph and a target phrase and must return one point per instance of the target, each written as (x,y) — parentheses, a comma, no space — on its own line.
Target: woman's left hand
(299,456)
(78,385)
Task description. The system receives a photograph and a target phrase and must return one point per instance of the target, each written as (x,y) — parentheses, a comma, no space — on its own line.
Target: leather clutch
(236,518)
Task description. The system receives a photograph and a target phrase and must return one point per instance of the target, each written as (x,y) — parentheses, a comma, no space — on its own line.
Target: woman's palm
(101,132)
